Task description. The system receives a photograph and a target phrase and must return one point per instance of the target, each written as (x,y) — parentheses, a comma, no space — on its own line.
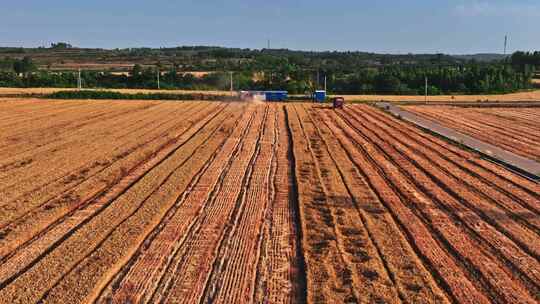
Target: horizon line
(275,49)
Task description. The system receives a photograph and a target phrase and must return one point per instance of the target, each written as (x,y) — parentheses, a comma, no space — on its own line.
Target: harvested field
(194,202)
(514,129)
(530,96)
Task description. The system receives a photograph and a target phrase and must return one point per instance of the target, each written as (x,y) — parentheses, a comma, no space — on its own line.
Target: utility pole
(158,86)
(232,84)
(79,81)
(505,44)
(426,89)
(325,88)
(318,79)
(268,44)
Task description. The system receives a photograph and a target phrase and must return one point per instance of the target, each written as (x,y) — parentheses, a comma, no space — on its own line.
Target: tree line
(472,78)
(526,61)
(273,72)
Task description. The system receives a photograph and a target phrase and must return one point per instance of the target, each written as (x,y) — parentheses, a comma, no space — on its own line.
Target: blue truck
(276,95)
(319,96)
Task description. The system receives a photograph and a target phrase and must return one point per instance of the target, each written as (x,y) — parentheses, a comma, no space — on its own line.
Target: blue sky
(449,26)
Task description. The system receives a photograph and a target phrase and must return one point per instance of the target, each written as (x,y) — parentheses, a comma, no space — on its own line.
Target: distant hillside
(64,57)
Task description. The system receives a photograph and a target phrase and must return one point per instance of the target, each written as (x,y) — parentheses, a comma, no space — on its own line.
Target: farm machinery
(338,102)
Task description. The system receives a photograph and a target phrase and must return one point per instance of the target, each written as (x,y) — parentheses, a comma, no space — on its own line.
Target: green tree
(24,66)
(61,45)
(136,70)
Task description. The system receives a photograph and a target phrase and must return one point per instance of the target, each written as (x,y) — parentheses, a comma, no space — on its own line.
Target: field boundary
(506,104)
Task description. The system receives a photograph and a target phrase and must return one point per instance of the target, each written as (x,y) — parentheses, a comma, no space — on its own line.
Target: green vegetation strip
(136,96)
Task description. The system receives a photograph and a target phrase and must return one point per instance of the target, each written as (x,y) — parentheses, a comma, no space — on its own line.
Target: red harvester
(338,102)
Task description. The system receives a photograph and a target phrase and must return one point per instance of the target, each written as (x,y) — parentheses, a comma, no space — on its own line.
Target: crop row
(154,202)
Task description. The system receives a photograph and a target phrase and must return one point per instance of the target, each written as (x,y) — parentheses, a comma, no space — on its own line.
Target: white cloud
(490,9)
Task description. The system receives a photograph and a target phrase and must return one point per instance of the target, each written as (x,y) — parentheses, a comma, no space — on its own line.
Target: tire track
(327,277)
